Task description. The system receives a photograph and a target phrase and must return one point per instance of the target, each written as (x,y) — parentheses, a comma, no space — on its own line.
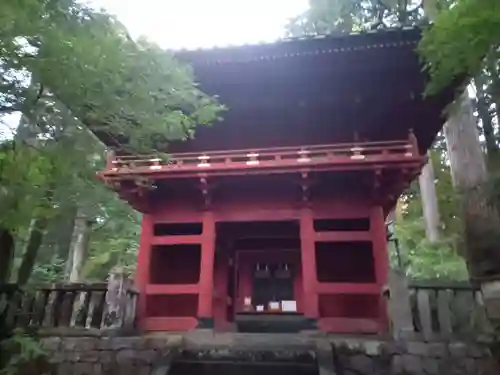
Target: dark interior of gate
(266,266)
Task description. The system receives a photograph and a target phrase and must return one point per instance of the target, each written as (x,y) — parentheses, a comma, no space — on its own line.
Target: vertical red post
(381,259)
(308,258)
(205,297)
(143,261)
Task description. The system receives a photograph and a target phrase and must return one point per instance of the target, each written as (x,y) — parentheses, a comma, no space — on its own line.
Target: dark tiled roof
(302,46)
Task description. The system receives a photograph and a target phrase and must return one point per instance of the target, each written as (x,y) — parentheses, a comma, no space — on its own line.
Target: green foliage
(22,192)
(18,351)
(107,249)
(329,17)
(425,260)
(85,60)
(421,258)
(71,70)
(462,37)
(347,16)
(46,273)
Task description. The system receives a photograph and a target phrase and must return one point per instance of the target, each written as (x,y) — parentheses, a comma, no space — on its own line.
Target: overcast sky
(191,24)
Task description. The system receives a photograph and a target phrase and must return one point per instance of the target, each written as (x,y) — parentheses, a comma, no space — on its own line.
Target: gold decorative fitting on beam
(303,156)
(357,153)
(408,152)
(252,156)
(156,164)
(204,161)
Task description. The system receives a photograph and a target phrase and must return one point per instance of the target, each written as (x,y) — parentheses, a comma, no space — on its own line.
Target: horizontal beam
(177,240)
(162,289)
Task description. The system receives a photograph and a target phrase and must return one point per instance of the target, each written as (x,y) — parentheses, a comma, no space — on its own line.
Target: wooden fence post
(399,307)
(491,298)
(116,299)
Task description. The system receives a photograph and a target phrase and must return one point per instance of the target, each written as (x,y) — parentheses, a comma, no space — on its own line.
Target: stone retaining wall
(140,355)
(108,355)
(415,358)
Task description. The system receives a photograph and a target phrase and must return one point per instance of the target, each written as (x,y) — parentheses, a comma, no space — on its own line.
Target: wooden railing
(436,310)
(421,310)
(77,306)
(262,158)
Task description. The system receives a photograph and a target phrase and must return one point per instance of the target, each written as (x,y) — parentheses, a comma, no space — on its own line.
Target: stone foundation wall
(109,355)
(140,355)
(414,358)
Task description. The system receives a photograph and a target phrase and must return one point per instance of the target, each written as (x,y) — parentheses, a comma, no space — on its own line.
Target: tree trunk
(63,242)
(429,202)
(469,176)
(79,247)
(495,93)
(57,240)
(35,239)
(6,255)
(483,111)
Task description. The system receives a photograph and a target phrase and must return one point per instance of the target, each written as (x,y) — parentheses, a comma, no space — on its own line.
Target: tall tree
(86,60)
(470,178)
(69,69)
(464,41)
(430,206)
(483,107)
(79,247)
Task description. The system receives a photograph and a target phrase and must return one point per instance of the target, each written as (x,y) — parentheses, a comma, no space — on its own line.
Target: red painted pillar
(381,259)
(308,258)
(205,297)
(143,262)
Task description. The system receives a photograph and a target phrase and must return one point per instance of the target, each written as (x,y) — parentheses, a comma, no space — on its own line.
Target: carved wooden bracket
(206,191)
(113,184)
(377,179)
(144,185)
(376,188)
(305,187)
(135,192)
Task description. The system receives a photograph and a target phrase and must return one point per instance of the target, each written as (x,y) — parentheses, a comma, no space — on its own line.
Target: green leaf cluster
(84,59)
(72,72)
(462,37)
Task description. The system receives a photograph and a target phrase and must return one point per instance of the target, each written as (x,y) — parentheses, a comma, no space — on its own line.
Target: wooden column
(205,297)
(381,259)
(308,259)
(143,261)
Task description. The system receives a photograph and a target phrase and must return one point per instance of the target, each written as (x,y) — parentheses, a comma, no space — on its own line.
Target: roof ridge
(285,40)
